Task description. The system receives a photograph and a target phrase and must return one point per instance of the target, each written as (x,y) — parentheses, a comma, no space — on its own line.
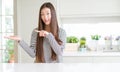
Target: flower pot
(108,44)
(93,45)
(82,49)
(71,47)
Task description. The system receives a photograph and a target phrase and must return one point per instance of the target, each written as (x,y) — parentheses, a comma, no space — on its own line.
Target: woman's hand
(42,33)
(16,38)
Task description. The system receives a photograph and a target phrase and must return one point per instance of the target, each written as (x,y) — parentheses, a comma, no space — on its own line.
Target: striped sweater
(48,43)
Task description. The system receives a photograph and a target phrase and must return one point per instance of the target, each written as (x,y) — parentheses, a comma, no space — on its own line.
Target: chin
(47,23)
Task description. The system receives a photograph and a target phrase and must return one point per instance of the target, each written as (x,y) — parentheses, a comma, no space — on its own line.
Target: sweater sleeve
(30,49)
(58,49)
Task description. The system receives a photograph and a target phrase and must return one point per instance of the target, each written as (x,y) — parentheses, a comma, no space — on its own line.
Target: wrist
(18,40)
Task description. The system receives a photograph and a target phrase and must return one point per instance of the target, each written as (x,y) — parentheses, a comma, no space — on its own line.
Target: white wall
(27,20)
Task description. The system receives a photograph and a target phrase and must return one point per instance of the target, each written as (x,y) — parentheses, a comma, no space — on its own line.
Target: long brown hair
(53,29)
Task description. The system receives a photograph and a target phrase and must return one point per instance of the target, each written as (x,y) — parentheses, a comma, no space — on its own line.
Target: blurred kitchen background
(92,27)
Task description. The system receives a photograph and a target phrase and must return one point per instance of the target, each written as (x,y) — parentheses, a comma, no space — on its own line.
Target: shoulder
(62,31)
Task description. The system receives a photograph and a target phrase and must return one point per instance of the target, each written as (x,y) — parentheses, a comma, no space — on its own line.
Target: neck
(47,28)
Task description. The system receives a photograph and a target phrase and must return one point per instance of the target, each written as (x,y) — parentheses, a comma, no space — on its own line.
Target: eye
(48,13)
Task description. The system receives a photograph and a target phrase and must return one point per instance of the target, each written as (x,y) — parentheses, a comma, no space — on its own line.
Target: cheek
(50,18)
(42,18)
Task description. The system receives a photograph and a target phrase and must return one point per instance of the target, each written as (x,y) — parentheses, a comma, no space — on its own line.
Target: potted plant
(82,46)
(72,39)
(118,42)
(72,43)
(95,37)
(108,42)
(9,52)
(94,43)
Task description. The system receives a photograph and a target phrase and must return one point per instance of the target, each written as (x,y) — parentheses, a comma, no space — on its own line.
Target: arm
(30,49)
(55,46)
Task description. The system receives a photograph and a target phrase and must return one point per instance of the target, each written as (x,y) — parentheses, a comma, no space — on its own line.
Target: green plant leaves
(72,39)
(95,37)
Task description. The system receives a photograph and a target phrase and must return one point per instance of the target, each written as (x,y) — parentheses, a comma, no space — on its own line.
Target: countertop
(61,67)
(91,53)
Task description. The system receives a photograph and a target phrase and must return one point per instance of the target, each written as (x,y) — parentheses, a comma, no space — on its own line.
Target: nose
(45,17)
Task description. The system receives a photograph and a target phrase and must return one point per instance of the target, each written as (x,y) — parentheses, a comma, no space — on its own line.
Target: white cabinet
(91,57)
(77,59)
(106,59)
(83,8)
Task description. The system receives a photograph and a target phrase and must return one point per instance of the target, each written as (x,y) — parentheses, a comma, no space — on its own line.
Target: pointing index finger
(37,31)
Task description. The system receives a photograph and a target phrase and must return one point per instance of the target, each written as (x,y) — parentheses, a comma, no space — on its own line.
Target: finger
(5,36)
(8,36)
(40,34)
(37,31)
(44,33)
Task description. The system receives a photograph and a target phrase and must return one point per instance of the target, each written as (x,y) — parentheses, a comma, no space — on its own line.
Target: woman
(48,40)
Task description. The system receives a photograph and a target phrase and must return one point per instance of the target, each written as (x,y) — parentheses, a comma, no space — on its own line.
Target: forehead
(45,10)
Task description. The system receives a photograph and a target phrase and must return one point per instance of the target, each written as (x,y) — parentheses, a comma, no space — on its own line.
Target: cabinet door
(106,59)
(77,59)
(78,8)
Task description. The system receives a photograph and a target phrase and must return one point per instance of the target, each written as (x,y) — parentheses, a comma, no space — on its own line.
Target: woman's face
(46,15)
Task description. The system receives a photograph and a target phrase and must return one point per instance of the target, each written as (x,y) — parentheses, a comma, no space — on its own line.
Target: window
(6,29)
(105,27)
(88,29)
